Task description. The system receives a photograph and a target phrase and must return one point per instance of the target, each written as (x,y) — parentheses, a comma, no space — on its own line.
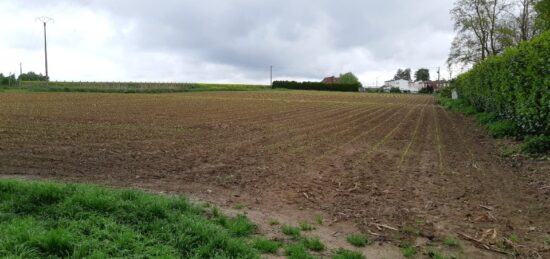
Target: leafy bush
(316,86)
(536,144)
(502,128)
(514,86)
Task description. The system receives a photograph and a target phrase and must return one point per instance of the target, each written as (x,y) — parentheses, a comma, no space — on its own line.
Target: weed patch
(291,231)
(266,246)
(313,244)
(408,251)
(347,254)
(42,219)
(359,240)
(297,251)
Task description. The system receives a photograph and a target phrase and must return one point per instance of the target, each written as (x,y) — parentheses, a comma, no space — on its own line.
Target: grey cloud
(302,38)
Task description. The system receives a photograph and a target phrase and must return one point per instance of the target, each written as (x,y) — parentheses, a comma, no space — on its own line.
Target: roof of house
(330,80)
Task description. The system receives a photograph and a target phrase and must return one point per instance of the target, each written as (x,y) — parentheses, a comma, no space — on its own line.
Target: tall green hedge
(515,86)
(316,86)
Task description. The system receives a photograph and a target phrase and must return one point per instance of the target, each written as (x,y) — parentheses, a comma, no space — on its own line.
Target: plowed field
(399,167)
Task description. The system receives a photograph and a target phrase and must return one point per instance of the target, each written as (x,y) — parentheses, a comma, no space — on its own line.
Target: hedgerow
(514,86)
(316,86)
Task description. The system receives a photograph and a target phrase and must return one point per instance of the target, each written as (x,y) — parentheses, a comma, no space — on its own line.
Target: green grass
(313,244)
(408,251)
(42,219)
(297,251)
(274,222)
(133,87)
(435,254)
(451,242)
(347,254)
(319,219)
(290,231)
(266,246)
(304,226)
(359,240)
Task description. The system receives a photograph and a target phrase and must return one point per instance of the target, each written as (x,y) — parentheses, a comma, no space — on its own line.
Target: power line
(45,20)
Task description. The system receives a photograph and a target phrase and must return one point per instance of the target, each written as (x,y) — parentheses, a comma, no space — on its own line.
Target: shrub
(513,85)
(536,144)
(502,128)
(316,86)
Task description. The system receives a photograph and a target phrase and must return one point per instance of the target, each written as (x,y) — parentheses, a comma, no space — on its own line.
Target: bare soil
(397,167)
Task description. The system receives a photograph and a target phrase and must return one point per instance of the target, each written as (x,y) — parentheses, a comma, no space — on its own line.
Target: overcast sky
(225,41)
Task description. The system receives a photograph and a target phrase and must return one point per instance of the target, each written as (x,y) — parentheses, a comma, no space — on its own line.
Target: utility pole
(271,75)
(45,20)
(438,73)
(20,72)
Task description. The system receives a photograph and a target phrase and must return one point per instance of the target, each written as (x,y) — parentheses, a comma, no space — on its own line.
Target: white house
(403,85)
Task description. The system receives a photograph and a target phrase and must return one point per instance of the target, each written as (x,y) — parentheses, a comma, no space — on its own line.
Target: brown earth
(398,167)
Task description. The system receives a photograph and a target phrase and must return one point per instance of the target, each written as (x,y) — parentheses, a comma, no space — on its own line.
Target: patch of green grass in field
(313,244)
(43,219)
(435,254)
(319,219)
(359,240)
(408,251)
(305,226)
(273,222)
(451,242)
(266,246)
(290,231)
(347,254)
(297,251)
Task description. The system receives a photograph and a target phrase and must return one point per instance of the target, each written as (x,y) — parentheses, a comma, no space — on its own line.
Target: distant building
(436,85)
(403,85)
(330,80)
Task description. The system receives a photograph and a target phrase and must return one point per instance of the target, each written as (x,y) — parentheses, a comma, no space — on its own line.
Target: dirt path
(398,167)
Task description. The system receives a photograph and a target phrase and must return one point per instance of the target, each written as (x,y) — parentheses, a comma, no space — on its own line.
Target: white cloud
(225,41)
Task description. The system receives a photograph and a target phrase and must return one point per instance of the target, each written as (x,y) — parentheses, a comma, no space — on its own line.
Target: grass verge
(500,128)
(129,87)
(43,219)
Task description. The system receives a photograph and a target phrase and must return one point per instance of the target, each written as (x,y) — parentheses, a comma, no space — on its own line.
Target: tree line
(486,28)
(30,76)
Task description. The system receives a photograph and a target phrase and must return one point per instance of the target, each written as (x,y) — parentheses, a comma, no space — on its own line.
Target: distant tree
(7,80)
(348,79)
(403,74)
(31,76)
(422,74)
